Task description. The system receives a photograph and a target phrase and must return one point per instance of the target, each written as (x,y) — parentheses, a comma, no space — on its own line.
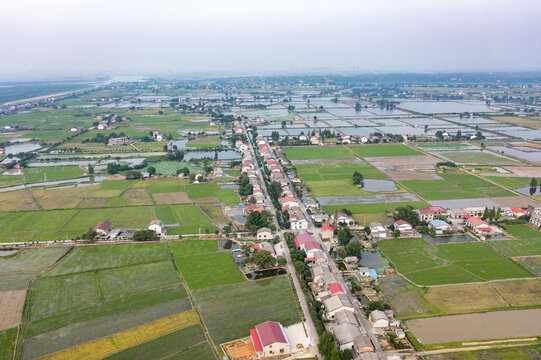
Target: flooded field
(483,326)
(366,199)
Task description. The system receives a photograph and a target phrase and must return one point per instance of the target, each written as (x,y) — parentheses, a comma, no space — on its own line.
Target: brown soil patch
(17,200)
(514,201)
(116,177)
(11,308)
(172,198)
(93,203)
(524,171)
(137,197)
(459,298)
(520,292)
(520,120)
(325,161)
(406,167)
(241,349)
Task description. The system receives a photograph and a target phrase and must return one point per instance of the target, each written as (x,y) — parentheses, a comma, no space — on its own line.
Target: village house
(297,221)
(265,246)
(378,231)
(303,137)
(156,226)
(314,140)
(425,214)
(103,228)
(478,225)
(264,233)
(344,335)
(118,141)
(269,339)
(517,212)
(346,139)
(336,303)
(379,319)
(335,289)
(327,232)
(340,217)
(474,211)
(404,227)
(439,226)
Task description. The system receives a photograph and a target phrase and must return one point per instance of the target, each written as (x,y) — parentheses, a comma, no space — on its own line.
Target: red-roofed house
(426,214)
(327,232)
(437,210)
(520,212)
(403,226)
(303,239)
(269,338)
(103,228)
(478,225)
(336,289)
(289,201)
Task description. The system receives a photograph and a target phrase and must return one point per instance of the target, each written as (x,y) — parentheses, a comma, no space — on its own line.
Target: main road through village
(366,327)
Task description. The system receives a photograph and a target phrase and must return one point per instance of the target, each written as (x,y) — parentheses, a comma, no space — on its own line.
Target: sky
(256,36)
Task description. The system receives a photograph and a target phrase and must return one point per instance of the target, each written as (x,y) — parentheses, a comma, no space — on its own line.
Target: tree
(485,214)
(439,134)
(133,175)
(346,355)
(396,233)
(342,252)
(533,182)
(90,169)
(426,128)
(246,249)
(406,213)
(275,135)
(145,235)
(151,170)
(89,235)
(367,230)
(458,135)
(344,235)
(112,168)
(353,248)
(492,213)
(358,107)
(264,259)
(227,229)
(358,178)
(282,261)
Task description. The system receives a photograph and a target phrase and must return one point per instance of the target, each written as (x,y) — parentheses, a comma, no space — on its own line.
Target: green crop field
(203,271)
(475,157)
(87,258)
(444,146)
(383,150)
(318,152)
(455,186)
(7,343)
(205,142)
(528,241)
(171,346)
(188,216)
(373,208)
(231,311)
(195,247)
(427,264)
(10,180)
(31,260)
(511,182)
(51,173)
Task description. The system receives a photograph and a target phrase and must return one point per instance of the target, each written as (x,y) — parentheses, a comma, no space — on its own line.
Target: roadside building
(265,246)
(327,232)
(378,231)
(336,303)
(345,335)
(404,227)
(478,225)
(379,319)
(269,339)
(342,218)
(103,228)
(156,226)
(426,214)
(297,221)
(264,233)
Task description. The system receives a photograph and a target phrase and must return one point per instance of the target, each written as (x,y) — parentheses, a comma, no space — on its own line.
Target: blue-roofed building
(373,273)
(439,226)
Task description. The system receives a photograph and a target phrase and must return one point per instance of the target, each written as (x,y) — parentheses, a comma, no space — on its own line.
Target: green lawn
(231,311)
(7,343)
(373,208)
(427,264)
(51,173)
(383,150)
(318,152)
(208,270)
(455,186)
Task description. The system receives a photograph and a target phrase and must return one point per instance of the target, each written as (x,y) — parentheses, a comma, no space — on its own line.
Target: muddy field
(514,201)
(406,167)
(524,171)
(484,326)
(366,199)
(172,198)
(11,308)
(325,161)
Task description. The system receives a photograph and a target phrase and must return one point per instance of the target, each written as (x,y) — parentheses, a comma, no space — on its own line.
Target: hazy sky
(159,36)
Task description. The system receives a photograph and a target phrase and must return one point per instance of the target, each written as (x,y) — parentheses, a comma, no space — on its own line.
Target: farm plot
(172,198)
(7,343)
(313,152)
(427,264)
(230,311)
(188,216)
(51,173)
(510,182)
(18,200)
(406,168)
(193,247)
(10,180)
(455,186)
(31,260)
(528,242)
(107,346)
(473,157)
(365,151)
(373,208)
(204,142)
(203,271)
(11,308)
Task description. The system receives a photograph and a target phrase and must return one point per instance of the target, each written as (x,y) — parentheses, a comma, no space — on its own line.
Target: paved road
(310,326)
(366,327)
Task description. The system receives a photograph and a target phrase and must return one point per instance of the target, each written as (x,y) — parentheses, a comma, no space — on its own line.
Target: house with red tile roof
(336,289)
(327,232)
(478,225)
(103,228)
(270,339)
(403,226)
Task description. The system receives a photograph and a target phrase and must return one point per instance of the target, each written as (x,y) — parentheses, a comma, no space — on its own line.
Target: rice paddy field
(527,243)
(475,157)
(318,152)
(373,208)
(455,185)
(427,264)
(131,301)
(65,213)
(364,151)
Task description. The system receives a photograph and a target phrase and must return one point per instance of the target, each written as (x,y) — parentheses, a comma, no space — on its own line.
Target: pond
(448,239)
(82,181)
(375,185)
(222,155)
(229,186)
(261,274)
(22,147)
(441,107)
(229,245)
(528,190)
(9,252)
(481,326)
(372,259)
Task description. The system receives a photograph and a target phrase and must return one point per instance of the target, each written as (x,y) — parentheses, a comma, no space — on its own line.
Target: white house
(403,226)
(345,334)
(156,226)
(340,217)
(336,303)
(297,221)
(264,233)
(379,319)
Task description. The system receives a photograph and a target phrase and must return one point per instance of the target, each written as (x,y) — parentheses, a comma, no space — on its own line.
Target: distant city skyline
(249,37)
